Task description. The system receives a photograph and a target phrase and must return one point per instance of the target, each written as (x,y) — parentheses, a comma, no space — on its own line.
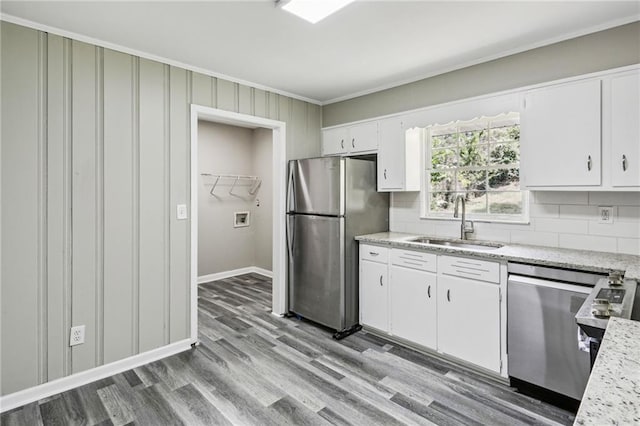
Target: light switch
(181,211)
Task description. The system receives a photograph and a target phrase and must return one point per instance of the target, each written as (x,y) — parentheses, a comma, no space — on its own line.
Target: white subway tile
(447,229)
(549,239)
(406,197)
(483,232)
(629,246)
(614,198)
(579,212)
(588,242)
(568,226)
(628,214)
(423,227)
(544,210)
(560,197)
(616,229)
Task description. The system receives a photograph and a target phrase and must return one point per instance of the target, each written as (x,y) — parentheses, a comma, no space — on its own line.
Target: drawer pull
(469,263)
(429,292)
(406,262)
(373,253)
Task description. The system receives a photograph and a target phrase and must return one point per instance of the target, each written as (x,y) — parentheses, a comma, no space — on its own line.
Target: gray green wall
(599,51)
(94,158)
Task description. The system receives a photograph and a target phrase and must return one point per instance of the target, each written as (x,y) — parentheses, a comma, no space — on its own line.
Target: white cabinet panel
(625,130)
(374,295)
(334,141)
(374,253)
(363,137)
(560,136)
(469,321)
(398,157)
(413,305)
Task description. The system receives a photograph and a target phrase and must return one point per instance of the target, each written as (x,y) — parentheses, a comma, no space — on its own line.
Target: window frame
(425,190)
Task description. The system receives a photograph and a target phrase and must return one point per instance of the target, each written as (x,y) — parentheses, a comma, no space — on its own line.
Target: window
(479,159)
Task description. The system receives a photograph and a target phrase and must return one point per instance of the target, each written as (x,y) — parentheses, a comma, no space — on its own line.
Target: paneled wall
(94,158)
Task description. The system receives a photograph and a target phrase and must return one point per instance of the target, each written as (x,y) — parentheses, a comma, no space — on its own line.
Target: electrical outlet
(606,214)
(77,335)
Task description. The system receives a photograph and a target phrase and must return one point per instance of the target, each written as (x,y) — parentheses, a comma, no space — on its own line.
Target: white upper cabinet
(398,156)
(561,136)
(356,139)
(334,141)
(625,130)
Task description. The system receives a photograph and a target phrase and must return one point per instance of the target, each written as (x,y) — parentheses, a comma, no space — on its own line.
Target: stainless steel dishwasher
(542,334)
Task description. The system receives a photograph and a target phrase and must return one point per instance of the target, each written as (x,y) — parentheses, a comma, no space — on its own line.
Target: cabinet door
(413,305)
(334,141)
(374,295)
(625,130)
(363,137)
(560,136)
(390,155)
(469,321)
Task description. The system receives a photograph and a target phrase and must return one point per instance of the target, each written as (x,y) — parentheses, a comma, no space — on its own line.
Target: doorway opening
(240,196)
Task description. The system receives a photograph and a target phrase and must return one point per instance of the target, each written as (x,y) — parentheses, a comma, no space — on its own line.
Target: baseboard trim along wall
(26,396)
(233,273)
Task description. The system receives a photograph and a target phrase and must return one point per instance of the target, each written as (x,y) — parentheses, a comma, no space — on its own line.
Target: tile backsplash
(557,219)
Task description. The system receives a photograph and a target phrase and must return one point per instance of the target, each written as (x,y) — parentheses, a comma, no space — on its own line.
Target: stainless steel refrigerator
(330,201)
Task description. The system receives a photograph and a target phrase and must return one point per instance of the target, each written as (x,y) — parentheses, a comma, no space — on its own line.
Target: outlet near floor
(77,335)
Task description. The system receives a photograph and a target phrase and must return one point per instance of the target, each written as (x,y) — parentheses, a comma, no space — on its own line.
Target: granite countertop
(549,256)
(612,396)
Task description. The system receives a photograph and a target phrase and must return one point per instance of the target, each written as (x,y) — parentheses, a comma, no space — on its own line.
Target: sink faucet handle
(468,228)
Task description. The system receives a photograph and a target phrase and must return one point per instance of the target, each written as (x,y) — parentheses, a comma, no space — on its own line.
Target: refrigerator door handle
(290,193)
(290,236)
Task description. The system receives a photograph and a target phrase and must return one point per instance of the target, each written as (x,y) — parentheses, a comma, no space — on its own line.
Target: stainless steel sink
(456,244)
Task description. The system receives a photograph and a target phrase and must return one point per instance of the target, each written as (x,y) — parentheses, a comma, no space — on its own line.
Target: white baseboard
(20,398)
(233,273)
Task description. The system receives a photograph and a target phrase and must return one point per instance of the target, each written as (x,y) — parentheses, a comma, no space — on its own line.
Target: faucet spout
(466,227)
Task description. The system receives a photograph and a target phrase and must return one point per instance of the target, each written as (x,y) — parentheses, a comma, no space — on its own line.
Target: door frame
(279,167)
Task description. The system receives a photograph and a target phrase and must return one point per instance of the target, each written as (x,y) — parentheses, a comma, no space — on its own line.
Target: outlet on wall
(77,335)
(606,214)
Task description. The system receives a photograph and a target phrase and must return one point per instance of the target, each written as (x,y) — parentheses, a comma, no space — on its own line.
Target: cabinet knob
(429,292)
(380,279)
(342,143)
(589,163)
(353,142)
(449,295)
(624,163)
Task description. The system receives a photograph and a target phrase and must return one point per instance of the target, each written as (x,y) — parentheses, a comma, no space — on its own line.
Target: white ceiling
(366,46)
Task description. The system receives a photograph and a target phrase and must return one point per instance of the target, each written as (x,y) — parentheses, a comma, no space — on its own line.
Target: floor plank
(254,368)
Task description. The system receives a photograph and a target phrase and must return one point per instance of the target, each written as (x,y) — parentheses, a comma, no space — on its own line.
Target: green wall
(612,48)
(95,157)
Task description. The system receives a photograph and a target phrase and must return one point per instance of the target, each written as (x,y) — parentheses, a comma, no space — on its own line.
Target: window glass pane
(505,134)
(476,202)
(505,203)
(504,179)
(504,153)
(472,180)
(442,202)
(442,181)
(472,154)
(473,136)
(443,136)
(444,158)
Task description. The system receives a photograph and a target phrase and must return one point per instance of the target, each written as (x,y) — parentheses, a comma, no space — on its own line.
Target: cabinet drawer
(414,259)
(474,269)
(374,253)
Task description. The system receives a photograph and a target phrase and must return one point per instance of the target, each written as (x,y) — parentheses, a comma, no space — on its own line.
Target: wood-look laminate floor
(253,368)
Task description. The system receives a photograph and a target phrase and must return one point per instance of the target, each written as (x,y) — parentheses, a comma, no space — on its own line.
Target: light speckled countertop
(592,261)
(612,396)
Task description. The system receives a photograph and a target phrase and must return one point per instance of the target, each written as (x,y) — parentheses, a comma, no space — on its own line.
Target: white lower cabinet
(413,305)
(469,320)
(374,294)
(446,303)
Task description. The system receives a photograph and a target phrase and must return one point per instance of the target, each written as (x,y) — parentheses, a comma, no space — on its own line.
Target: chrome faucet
(466,227)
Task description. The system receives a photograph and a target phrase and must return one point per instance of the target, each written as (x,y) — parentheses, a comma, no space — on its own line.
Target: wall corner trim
(20,398)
